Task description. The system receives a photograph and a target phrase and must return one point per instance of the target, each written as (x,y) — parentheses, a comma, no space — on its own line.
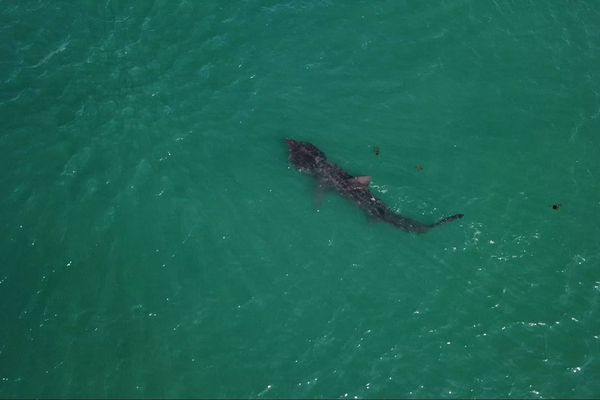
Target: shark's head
(304,156)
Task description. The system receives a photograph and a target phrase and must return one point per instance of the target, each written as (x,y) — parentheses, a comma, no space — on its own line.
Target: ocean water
(156,243)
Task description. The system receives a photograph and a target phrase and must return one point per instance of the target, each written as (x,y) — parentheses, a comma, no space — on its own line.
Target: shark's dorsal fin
(363,181)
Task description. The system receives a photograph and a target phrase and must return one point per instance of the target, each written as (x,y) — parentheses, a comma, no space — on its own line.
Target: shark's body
(309,159)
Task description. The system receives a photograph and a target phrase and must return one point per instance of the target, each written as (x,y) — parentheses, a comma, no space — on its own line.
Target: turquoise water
(156,243)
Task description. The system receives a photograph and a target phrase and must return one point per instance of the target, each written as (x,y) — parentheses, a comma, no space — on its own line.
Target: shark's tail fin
(447,219)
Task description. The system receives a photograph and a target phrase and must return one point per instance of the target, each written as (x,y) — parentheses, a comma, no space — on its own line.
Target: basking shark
(307,158)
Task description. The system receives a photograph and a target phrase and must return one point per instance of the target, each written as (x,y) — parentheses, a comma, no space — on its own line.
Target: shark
(309,159)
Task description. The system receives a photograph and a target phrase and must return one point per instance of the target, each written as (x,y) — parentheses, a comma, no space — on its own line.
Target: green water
(155,242)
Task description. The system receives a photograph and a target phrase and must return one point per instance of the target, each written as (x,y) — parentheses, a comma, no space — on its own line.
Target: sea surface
(155,241)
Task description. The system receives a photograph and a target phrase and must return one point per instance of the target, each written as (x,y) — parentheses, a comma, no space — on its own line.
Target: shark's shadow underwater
(307,158)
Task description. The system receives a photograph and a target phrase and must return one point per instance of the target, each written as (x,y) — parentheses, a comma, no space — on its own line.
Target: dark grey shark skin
(307,158)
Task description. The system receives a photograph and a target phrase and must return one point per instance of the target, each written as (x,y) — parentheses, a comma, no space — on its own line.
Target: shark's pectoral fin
(320,190)
(363,181)
(373,220)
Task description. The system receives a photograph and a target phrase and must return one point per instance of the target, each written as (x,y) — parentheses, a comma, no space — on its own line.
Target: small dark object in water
(376,150)
(419,168)
(556,206)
